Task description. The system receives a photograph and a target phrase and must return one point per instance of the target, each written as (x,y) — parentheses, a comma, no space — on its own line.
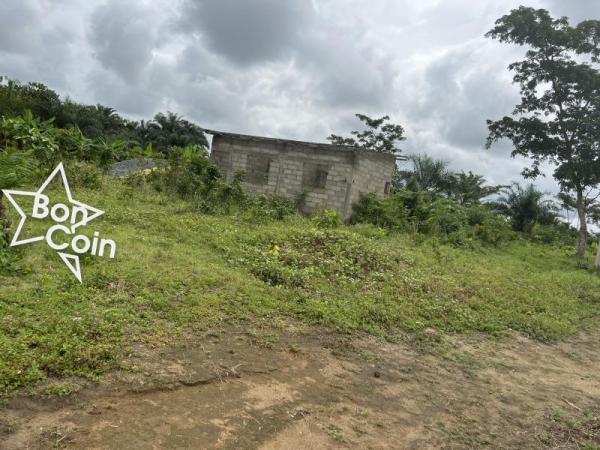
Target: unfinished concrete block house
(329,176)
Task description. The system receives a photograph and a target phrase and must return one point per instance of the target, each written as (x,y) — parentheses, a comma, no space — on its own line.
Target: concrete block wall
(371,174)
(349,173)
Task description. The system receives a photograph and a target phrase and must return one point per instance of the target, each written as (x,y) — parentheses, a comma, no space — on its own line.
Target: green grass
(178,270)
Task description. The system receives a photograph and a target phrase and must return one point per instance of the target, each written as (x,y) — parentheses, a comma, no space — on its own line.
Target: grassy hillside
(178,270)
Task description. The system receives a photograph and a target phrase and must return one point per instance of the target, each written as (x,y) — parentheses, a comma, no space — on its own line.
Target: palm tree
(170,130)
(469,188)
(526,207)
(426,174)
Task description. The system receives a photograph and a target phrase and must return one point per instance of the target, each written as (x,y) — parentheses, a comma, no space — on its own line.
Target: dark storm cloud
(250,31)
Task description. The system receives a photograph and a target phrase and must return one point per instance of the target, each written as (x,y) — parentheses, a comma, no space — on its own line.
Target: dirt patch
(318,390)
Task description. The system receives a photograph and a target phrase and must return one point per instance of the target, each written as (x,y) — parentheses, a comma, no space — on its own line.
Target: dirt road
(316,390)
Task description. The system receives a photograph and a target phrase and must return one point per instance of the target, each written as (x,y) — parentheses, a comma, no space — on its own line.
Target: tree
(469,188)
(569,203)
(558,118)
(17,98)
(525,207)
(170,130)
(378,137)
(426,174)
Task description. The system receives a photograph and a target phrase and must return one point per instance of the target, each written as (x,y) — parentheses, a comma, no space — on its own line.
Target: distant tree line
(97,122)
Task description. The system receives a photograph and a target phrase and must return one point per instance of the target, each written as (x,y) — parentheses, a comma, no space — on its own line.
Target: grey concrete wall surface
(328,178)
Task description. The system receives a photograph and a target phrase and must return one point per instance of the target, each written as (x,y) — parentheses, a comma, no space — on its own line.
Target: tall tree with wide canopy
(558,118)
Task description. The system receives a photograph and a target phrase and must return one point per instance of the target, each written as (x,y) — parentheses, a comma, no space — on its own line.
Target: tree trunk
(583,234)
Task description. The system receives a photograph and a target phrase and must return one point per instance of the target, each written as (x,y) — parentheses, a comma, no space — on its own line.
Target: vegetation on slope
(178,269)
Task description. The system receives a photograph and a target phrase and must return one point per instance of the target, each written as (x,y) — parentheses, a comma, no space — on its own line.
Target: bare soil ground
(312,389)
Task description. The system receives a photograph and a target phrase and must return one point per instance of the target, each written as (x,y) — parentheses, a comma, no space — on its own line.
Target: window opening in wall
(257,169)
(315,175)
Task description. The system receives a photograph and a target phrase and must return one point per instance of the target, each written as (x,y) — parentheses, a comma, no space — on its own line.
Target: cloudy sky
(286,68)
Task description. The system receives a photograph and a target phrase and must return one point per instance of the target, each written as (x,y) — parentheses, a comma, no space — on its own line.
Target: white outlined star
(72,261)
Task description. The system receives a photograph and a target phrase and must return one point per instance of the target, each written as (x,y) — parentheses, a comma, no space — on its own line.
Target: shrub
(389,212)
(188,174)
(435,216)
(327,218)
(270,206)
(83,174)
(559,234)
(28,134)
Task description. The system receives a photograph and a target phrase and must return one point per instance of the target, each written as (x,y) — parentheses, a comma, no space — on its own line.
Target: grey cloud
(123,36)
(15,18)
(247,32)
(575,10)
(286,68)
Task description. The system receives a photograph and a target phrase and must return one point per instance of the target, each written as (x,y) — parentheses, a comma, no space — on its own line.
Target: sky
(296,69)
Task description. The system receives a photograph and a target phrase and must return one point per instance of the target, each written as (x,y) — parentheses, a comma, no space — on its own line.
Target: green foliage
(96,122)
(557,118)
(559,234)
(469,188)
(101,125)
(170,130)
(526,207)
(17,98)
(434,216)
(189,271)
(432,175)
(188,174)
(267,207)
(327,218)
(378,137)
(83,174)
(59,389)
(16,167)
(459,225)
(426,174)
(26,133)
(389,213)
(299,258)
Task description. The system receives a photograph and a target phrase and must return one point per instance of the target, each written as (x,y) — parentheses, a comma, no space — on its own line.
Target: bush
(434,216)
(388,213)
(559,234)
(270,207)
(327,218)
(221,197)
(83,174)
(189,173)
